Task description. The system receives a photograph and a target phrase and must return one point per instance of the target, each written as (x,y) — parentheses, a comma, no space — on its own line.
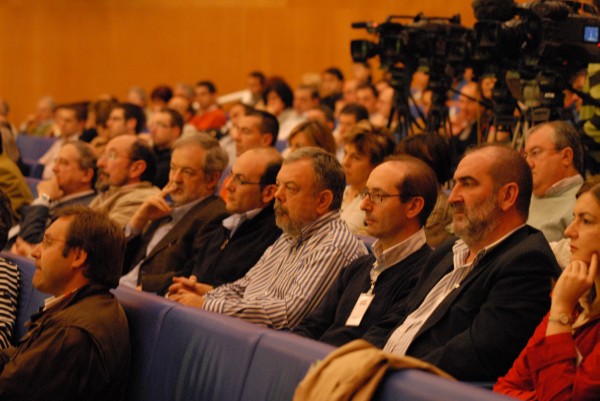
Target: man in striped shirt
(480,297)
(292,276)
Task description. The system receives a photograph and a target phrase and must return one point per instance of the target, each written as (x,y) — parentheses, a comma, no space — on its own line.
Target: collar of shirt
(180,211)
(395,254)
(563,185)
(235,220)
(311,228)
(50,302)
(461,250)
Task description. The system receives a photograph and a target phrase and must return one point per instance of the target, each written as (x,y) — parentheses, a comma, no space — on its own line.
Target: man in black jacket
(230,250)
(397,200)
(480,297)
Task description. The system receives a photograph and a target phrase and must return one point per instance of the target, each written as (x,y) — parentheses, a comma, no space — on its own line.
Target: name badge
(359,309)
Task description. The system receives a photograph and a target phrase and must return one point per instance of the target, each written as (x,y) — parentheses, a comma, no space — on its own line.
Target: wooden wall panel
(75,50)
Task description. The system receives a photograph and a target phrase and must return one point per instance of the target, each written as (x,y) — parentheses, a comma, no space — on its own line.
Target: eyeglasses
(48,241)
(239,180)
(377,197)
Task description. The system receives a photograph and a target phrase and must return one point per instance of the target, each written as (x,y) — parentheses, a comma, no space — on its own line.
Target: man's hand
(50,187)
(188,299)
(182,285)
(153,208)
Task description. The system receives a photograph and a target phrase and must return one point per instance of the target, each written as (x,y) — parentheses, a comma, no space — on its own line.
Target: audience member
(13,184)
(350,115)
(126,119)
(365,147)
(312,133)
(256,85)
(434,150)
(166,129)
(9,278)
(228,251)
(481,296)
(124,173)
(183,106)
(398,197)
(292,276)
(70,121)
(159,98)
(160,235)
(40,122)
(209,117)
(305,98)
(332,84)
(72,184)
(555,155)
(366,96)
(78,346)
(279,99)
(322,114)
(560,362)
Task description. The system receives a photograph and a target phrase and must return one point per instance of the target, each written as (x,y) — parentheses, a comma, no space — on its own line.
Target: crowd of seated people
(262,210)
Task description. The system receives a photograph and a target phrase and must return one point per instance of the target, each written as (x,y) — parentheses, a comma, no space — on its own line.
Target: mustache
(279,209)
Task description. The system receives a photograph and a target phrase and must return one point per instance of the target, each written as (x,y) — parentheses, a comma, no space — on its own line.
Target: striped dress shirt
(291,277)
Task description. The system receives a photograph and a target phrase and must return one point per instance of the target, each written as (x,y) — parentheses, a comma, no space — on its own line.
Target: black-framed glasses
(376,197)
(239,180)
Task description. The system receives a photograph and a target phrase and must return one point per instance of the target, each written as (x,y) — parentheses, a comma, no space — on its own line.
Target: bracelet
(561,318)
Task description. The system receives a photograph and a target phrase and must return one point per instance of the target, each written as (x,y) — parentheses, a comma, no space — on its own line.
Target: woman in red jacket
(562,359)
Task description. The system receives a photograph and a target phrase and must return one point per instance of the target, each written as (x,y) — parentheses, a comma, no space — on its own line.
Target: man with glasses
(398,198)
(292,276)
(555,155)
(77,347)
(228,251)
(166,128)
(161,234)
(125,172)
(480,296)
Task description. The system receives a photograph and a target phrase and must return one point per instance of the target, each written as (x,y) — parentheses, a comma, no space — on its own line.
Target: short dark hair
(370,87)
(433,149)
(102,240)
(6,218)
(335,72)
(258,75)
(176,118)
(358,111)
(268,123)
(140,150)
(282,89)
(208,85)
(519,172)
(134,111)
(329,173)
(376,143)
(162,92)
(419,181)
(80,109)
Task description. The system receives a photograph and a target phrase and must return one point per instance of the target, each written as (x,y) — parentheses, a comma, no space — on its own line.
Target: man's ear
(507,196)
(415,205)
(131,123)
(137,168)
(266,140)
(567,156)
(212,181)
(268,193)
(324,200)
(79,259)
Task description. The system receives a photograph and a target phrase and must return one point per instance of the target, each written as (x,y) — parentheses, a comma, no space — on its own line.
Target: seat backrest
(29,300)
(280,363)
(33,147)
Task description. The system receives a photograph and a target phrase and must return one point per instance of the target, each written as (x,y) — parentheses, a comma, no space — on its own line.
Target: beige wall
(77,49)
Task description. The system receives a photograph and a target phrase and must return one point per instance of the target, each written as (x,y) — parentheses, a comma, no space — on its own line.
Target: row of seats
(181,353)
(32,148)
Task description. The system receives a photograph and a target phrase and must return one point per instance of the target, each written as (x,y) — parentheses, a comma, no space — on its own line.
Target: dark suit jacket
(479,329)
(175,248)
